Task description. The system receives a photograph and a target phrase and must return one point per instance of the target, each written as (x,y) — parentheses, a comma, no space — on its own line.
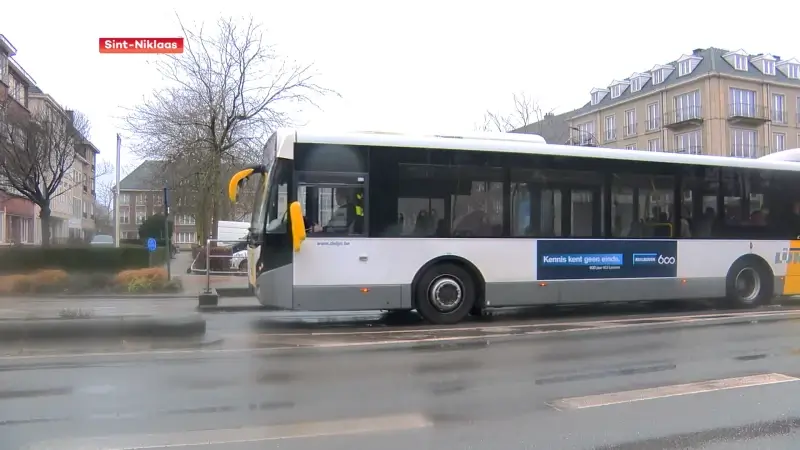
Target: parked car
(103,240)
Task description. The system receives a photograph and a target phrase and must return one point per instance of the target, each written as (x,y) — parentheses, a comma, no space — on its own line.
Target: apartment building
(84,196)
(710,101)
(18,215)
(141,196)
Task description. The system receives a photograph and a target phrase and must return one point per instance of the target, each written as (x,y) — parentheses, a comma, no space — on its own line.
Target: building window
(617,90)
(586,134)
(743,143)
(630,122)
(3,66)
(141,199)
(16,88)
(158,199)
(743,103)
(793,71)
(687,106)
(654,145)
(596,97)
(611,128)
(77,207)
(124,199)
(689,143)
(141,214)
(684,67)
(630,147)
(658,76)
(740,62)
(778,141)
(185,237)
(653,116)
(768,66)
(636,84)
(778,108)
(124,215)
(185,219)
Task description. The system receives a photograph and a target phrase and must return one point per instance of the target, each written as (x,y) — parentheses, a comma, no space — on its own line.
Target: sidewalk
(15,308)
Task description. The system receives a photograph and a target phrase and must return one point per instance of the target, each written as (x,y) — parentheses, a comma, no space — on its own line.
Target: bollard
(208,266)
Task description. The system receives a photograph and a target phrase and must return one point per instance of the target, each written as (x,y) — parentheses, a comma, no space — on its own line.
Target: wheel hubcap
(445,293)
(748,284)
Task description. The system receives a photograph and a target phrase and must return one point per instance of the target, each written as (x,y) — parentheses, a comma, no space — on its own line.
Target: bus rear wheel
(445,294)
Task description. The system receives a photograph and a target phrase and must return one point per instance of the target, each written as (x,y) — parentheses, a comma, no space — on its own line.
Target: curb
(473,342)
(104,327)
(233,309)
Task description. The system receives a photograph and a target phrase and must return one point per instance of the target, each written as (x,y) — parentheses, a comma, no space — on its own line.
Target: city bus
(451,225)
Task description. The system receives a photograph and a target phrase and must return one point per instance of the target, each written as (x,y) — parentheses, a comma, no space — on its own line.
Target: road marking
(401,422)
(593,401)
(329,345)
(485,328)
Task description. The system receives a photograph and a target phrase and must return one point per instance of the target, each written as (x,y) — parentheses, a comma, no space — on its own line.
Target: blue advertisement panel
(591,259)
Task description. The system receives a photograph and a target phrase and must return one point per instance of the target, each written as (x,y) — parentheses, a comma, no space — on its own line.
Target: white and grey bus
(450,225)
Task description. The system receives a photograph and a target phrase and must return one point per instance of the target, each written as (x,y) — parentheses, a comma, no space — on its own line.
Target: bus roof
(516,143)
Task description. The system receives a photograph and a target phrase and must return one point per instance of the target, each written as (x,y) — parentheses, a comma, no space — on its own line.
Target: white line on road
(614,398)
(402,422)
(501,328)
(331,344)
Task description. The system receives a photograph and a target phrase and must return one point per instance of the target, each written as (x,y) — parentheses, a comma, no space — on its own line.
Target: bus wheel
(748,285)
(445,294)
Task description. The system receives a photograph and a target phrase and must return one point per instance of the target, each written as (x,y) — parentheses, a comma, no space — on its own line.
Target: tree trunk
(44,215)
(216,189)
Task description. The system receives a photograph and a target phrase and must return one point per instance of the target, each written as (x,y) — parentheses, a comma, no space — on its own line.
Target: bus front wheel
(445,294)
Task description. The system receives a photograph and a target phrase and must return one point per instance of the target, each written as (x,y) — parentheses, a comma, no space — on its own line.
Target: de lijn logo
(788,256)
(649,259)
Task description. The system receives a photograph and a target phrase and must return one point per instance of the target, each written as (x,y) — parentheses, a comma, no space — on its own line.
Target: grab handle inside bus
(298,225)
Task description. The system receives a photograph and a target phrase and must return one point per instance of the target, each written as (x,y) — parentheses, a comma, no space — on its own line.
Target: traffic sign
(151,244)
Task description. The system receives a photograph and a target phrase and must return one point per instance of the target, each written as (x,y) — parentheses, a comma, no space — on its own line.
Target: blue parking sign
(151,244)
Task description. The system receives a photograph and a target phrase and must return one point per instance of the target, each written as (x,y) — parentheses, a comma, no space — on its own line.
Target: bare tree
(526,111)
(104,200)
(227,91)
(37,151)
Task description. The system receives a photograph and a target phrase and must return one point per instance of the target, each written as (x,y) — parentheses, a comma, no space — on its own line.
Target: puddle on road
(626,371)
(751,357)
(35,393)
(545,328)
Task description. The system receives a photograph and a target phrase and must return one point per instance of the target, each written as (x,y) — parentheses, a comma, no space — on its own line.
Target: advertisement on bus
(570,259)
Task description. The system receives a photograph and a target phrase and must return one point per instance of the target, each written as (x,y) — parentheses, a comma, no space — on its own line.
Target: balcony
(748,114)
(779,116)
(629,130)
(690,150)
(653,124)
(690,116)
(749,151)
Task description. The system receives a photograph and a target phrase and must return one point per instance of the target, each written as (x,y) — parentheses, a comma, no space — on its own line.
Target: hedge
(79,259)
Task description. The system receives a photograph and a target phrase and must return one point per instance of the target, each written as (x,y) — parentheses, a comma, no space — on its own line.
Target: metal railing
(221,258)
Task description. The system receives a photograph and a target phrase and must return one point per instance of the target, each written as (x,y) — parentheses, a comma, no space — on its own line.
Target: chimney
(777,58)
(697,51)
(549,114)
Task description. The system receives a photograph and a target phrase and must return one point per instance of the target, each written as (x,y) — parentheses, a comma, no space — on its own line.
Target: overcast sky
(411,65)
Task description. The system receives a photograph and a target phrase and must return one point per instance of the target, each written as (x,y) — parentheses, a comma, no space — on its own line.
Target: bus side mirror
(298,225)
(236,182)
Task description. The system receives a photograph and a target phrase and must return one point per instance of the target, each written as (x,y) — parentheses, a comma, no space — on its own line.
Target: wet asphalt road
(459,395)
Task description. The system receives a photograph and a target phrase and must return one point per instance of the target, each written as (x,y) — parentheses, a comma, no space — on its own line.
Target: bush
(220,260)
(145,280)
(42,281)
(71,259)
(57,281)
